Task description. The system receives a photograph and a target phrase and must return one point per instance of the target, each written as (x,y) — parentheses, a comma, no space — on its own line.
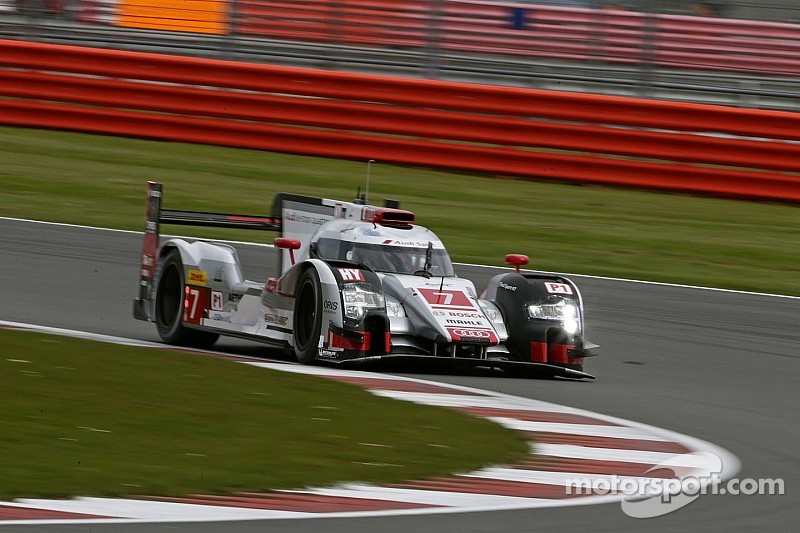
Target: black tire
(169,306)
(307,322)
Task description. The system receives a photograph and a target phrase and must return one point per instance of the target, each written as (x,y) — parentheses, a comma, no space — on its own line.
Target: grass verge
(95,180)
(88,418)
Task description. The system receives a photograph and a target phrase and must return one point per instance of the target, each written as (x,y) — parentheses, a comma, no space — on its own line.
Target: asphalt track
(720,366)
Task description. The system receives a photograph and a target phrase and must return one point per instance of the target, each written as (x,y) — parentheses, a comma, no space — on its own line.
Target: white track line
(148,510)
(572,451)
(614,432)
(547,477)
(588,276)
(461,400)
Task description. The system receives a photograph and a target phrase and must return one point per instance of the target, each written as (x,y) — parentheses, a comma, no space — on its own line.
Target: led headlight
(562,310)
(358,297)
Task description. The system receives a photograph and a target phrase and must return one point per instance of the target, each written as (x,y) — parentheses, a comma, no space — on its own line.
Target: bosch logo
(474,333)
(460,314)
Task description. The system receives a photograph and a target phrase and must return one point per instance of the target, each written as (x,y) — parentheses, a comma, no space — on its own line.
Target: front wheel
(307,317)
(169,307)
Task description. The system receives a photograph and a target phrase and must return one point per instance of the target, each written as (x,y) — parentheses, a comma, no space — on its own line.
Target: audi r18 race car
(355,283)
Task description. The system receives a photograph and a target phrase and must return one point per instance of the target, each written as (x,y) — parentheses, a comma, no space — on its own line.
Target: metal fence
(743,53)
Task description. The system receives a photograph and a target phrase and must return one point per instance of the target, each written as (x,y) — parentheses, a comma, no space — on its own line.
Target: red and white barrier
(533,134)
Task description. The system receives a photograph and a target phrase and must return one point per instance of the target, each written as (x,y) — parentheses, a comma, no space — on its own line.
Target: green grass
(88,418)
(99,181)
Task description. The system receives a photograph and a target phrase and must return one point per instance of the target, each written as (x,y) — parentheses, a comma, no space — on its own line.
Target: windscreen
(384,258)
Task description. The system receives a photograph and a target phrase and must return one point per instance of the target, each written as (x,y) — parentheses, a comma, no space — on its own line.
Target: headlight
(562,310)
(394,308)
(358,297)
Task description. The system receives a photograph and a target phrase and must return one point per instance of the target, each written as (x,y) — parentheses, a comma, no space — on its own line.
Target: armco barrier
(498,130)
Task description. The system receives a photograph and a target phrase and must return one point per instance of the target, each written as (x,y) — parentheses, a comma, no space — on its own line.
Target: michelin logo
(507,287)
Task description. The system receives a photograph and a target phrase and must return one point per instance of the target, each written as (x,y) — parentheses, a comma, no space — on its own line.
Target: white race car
(356,283)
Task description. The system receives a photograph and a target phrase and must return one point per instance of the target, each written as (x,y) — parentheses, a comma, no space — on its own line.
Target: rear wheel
(307,317)
(169,307)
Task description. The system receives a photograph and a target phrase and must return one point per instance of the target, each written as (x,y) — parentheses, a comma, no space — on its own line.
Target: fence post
(649,45)
(228,41)
(434,40)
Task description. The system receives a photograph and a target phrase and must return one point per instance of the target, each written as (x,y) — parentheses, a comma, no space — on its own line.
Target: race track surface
(716,365)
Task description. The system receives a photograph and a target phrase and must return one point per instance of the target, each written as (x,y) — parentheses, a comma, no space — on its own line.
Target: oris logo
(474,333)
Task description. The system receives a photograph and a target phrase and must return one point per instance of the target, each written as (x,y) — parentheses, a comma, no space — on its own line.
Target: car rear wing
(155,216)
(294,216)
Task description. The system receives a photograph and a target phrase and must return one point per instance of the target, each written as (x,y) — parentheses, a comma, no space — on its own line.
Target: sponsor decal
(327,353)
(475,333)
(462,322)
(507,287)
(276,319)
(218,274)
(303,218)
(446,298)
(351,274)
(418,244)
(330,306)
(149,250)
(464,314)
(198,277)
(439,313)
(558,288)
(217,301)
(472,335)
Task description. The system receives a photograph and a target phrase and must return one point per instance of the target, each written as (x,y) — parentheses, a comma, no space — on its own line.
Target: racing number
(194,304)
(446,298)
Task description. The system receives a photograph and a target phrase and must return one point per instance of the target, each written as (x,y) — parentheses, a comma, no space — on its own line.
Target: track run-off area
(720,366)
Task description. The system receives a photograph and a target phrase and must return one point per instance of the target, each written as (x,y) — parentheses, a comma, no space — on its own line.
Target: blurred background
(735,52)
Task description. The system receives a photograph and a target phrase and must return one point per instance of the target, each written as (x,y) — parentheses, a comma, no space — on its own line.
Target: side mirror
(516,260)
(287,244)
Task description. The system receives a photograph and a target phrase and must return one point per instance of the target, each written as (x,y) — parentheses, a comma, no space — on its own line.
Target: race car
(355,283)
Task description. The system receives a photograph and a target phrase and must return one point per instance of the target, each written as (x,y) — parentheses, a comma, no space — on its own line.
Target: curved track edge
(567,443)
